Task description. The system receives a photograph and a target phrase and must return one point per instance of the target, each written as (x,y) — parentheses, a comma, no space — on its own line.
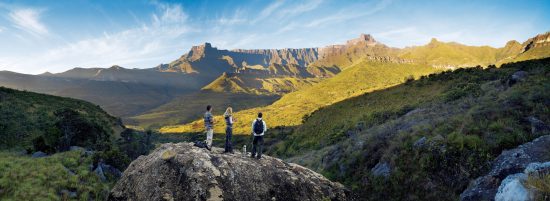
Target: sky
(54,36)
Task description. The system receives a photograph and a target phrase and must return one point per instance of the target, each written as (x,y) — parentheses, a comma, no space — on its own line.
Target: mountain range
(139,95)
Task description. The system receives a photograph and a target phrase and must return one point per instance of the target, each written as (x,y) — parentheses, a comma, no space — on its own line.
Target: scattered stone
(69,194)
(420,142)
(509,162)
(381,169)
(104,171)
(538,127)
(69,171)
(512,189)
(76,148)
(99,172)
(517,77)
(197,174)
(39,154)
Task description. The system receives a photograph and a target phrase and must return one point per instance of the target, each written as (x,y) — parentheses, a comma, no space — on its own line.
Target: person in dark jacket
(258,130)
(228,116)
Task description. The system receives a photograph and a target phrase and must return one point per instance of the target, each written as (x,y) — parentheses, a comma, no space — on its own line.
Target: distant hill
(122,92)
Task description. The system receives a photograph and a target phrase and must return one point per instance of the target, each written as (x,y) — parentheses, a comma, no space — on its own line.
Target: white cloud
(235,19)
(267,11)
(301,8)
(144,46)
(348,13)
(28,20)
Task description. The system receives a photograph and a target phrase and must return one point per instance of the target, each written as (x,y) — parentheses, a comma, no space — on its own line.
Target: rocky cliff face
(185,172)
(541,40)
(230,60)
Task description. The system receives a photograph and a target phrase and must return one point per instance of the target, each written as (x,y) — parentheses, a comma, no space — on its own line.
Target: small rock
(519,76)
(537,168)
(39,154)
(512,189)
(420,142)
(538,126)
(70,194)
(99,172)
(381,169)
(76,148)
(69,171)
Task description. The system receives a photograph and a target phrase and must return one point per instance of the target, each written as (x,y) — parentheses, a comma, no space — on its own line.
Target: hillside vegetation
(75,136)
(366,76)
(28,116)
(434,134)
(50,178)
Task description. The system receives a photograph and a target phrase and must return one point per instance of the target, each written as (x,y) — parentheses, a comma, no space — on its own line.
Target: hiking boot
(209,148)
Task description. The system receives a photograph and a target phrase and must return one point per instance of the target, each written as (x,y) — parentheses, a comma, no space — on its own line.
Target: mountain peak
(363,38)
(116,67)
(541,40)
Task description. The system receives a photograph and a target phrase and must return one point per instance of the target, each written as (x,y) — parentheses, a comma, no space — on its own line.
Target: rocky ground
(185,172)
(509,169)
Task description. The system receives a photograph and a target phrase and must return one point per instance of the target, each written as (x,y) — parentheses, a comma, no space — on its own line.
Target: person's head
(260,115)
(208,108)
(228,111)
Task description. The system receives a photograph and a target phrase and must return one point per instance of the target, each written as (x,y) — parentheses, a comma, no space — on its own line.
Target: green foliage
(52,123)
(25,178)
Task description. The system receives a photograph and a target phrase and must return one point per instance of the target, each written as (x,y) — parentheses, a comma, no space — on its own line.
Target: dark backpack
(258,126)
(200,144)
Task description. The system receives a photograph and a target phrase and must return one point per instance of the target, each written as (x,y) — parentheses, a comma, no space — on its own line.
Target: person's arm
(231,120)
(253,122)
(265,127)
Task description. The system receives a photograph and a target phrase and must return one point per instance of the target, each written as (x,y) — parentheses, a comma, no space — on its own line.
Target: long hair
(228,112)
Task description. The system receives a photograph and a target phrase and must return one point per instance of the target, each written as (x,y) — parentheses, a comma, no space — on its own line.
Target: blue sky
(39,36)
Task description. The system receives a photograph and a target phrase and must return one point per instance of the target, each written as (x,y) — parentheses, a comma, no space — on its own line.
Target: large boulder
(185,172)
(509,162)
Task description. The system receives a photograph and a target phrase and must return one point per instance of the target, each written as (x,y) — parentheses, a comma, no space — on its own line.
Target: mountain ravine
(185,172)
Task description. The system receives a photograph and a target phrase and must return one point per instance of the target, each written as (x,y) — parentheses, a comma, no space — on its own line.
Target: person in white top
(258,130)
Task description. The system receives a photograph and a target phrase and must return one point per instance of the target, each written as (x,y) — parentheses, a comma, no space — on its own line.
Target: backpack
(258,126)
(200,144)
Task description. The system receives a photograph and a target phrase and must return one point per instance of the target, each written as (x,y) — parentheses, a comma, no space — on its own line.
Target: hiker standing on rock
(258,130)
(228,115)
(209,126)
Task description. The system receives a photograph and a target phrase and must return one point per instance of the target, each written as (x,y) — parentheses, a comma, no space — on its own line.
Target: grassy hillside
(187,108)
(366,76)
(465,118)
(50,178)
(26,116)
(260,85)
(31,122)
(457,55)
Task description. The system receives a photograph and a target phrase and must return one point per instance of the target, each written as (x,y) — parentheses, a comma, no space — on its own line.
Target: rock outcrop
(185,172)
(510,162)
